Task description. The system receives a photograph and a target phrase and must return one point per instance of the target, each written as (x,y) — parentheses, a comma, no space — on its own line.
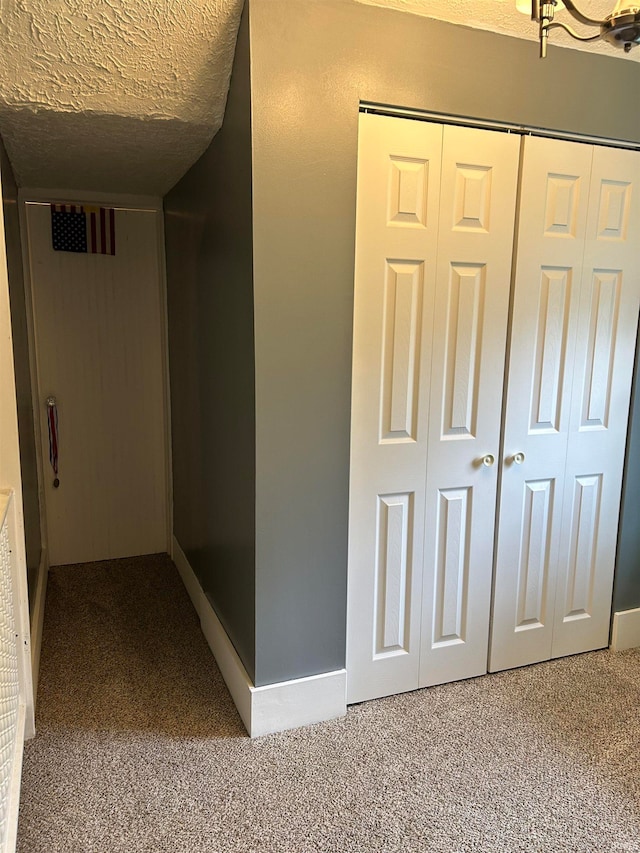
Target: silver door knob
(517,458)
(488,460)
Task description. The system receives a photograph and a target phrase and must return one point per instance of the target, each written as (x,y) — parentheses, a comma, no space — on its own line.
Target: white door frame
(123,202)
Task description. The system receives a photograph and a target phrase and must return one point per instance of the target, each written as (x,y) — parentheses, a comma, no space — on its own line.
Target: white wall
(99,331)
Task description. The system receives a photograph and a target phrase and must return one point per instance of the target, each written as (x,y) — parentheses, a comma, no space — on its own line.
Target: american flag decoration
(77,228)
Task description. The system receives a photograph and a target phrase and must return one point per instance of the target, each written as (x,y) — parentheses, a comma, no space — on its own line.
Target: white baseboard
(274,707)
(626,630)
(37,619)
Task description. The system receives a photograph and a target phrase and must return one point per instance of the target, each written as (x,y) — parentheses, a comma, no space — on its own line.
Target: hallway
(139,747)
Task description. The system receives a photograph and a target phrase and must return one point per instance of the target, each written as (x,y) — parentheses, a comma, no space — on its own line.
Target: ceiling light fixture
(621,28)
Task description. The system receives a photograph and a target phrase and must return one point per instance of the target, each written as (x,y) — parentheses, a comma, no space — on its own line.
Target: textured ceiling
(501,16)
(117,95)
(124,95)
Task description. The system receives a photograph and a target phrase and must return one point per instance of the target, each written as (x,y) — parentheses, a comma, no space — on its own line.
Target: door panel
(397,230)
(477,210)
(546,301)
(535,527)
(605,349)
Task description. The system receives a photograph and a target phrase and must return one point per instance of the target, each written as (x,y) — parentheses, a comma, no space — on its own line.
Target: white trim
(274,707)
(122,200)
(37,620)
(230,665)
(299,702)
(33,367)
(166,378)
(626,630)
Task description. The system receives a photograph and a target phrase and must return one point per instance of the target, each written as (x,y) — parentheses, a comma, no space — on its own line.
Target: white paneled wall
(99,331)
(15,673)
(9,685)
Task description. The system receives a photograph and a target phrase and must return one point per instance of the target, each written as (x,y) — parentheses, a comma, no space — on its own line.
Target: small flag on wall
(83,229)
(101,230)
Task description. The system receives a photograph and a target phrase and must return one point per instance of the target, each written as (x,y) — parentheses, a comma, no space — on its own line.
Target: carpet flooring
(139,747)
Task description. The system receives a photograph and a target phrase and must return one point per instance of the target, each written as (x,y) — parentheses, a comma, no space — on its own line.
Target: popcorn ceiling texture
(124,95)
(100,151)
(501,16)
(151,58)
(141,86)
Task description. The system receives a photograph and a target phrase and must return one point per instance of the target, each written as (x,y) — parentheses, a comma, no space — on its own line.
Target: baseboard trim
(626,630)
(230,665)
(274,707)
(37,620)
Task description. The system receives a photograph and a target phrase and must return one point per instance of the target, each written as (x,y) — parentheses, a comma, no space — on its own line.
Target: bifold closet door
(475,243)
(604,358)
(434,239)
(550,248)
(396,243)
(575,312)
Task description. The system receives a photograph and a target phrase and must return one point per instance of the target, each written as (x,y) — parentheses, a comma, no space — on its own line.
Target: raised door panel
(477,211)
(396,240)
(606,336)
(544,324)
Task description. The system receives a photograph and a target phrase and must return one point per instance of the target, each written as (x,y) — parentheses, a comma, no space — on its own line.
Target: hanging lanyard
(52,421)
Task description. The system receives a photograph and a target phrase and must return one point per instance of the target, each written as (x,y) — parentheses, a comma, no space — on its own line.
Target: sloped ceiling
(114,95)
(124,95)
(501,16)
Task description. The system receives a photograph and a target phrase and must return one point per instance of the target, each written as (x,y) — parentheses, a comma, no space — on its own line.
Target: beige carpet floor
(139,747)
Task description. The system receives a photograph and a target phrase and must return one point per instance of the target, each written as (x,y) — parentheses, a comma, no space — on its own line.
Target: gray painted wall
(210,305)
(267,533)
(311,64)
(626,592)
(30,500)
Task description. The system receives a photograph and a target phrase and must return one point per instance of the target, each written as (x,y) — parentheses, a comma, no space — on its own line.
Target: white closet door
(397,225)
(477,212)
(551,231)
(608,316)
